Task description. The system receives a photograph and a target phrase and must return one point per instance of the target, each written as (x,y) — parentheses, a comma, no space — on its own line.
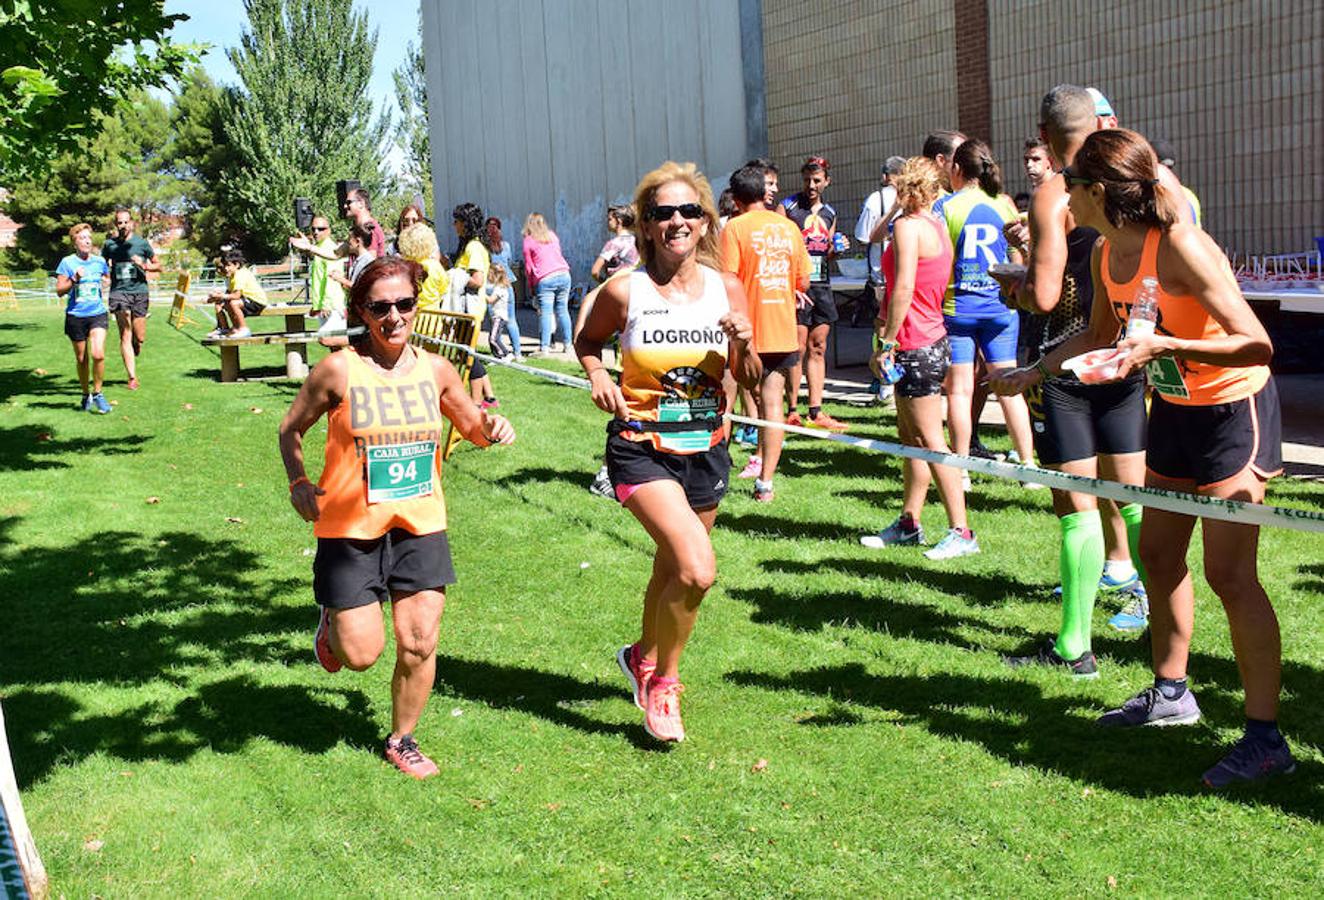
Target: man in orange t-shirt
(766,251)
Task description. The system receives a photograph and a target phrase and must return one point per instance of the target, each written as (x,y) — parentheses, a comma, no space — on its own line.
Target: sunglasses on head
(1074,180)
(663,213)
(380,309)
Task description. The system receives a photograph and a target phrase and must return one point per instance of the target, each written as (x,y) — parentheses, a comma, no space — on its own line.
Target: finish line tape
(1199,505)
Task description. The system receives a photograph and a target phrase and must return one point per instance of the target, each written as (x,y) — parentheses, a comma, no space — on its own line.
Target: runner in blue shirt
(85,280)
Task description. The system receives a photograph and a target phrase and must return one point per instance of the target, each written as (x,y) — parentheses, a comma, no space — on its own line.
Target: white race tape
(1172,501)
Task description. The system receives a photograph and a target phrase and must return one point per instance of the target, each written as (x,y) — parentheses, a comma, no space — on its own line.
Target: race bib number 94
(400,471)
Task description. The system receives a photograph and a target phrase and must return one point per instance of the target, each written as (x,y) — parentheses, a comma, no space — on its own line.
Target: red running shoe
(662,717)
(823,420)
(793,418)
(133,384)
(638,671)
(322,643)
(403,753)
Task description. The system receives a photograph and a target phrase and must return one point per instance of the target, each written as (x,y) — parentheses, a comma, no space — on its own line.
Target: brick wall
(1236,85)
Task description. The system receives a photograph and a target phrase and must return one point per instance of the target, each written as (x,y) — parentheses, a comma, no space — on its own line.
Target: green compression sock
(1131,514)
(1081,562)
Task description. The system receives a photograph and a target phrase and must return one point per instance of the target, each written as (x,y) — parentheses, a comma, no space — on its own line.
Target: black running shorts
(704,476)
(823,310)
(1073,421)
(349,573)
(77,328)
(132,302)
(1211,444)
(779,362)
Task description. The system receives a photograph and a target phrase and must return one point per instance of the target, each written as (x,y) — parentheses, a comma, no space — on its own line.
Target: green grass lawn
(851,727)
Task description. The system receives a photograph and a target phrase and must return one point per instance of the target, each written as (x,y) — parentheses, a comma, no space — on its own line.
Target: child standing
(498,306)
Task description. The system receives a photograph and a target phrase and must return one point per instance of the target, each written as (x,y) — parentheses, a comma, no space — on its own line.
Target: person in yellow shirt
(242,297)
(419,244)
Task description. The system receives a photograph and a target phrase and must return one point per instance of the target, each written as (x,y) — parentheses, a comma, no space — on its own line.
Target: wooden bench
(296,352)
(294,314)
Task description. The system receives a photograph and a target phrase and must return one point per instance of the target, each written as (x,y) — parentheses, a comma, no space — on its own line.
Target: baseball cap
(1101,105)
(1163,149)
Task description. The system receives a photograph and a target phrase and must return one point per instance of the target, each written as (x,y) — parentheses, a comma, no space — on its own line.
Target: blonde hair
(497,275)
(417,242)
(668,173)
(535,226)
(79,229)
(918,184)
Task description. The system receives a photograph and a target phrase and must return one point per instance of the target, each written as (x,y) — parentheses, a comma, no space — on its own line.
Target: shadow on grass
(27,383)
(781,526)
(130,611)
(906,564)
(30,447)
(247,374)
(1314,573)
(526,476)
(1049,733)
(548,695)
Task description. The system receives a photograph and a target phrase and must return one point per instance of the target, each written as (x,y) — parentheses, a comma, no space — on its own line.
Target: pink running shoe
(753,468)
(638,671)
(322,643)
(662,717)
(403,753)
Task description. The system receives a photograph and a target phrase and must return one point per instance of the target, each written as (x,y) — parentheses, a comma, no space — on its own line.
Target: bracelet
(886,346)
(302,479)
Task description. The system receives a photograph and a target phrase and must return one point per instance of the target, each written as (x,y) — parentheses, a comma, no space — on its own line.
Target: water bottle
(1144,310)
(892,372)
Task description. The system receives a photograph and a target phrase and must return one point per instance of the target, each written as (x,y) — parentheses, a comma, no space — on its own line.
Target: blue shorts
(996,336)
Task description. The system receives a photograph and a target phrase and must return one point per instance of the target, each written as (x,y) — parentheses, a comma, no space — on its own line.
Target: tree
(411,131)
(198,154)
(118,163)
(60,61)
(300,122)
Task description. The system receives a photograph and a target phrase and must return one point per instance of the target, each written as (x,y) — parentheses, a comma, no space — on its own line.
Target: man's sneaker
(86,405)
(1083,666)
(793,418)
(241,332)
(763,494)
(979,451)
(824,421)
(1135,615)
(490,403)
(746,435)
(217,333)
(1150,707)
(953,544)
(638,671)
(403,753)
(322,643)
(752,469)
(100,403)
(894,535)
(1250,759)
(1110,585)
(601,485)
(662,715)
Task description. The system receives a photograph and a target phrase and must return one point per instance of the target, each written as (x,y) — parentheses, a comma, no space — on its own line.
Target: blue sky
(218,22)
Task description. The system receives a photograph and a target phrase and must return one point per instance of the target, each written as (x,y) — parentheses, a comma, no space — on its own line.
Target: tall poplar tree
(411,129)
(303,118)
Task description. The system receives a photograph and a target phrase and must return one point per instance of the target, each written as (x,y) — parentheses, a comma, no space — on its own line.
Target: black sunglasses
(321,228)
(664,213)
(380,309)
(1074,180)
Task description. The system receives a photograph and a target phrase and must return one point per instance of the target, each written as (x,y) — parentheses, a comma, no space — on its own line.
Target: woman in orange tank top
(377,510)
(1213,429)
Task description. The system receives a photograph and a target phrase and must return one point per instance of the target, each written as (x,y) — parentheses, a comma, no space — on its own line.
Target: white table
(1308,301)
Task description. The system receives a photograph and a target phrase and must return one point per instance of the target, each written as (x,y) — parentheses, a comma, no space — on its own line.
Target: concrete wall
(1236,85)
(559,106)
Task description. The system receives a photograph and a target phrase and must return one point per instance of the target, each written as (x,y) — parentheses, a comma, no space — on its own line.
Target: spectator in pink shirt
(549,275)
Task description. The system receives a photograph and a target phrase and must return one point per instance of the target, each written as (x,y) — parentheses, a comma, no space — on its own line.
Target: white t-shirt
(879,202)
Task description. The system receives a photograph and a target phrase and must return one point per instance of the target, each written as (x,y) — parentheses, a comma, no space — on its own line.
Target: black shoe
(979,451)
(1083,666)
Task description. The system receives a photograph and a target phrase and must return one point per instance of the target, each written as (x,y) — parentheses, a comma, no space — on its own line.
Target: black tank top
(1071,316)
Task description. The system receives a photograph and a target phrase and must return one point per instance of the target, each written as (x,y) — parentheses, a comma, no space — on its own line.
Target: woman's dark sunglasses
(380,309)
(664,213)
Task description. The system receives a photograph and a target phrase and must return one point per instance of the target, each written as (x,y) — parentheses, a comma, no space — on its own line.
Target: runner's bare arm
(905,243)
(605,319)
(63,284)
(1194,265)
(476,425)
(324,389)
(746,365)
(1042,287)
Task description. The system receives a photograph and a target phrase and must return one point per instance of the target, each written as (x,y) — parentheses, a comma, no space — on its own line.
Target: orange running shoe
(823,420)
(662,717)
(403,753)
(322,643)
(638,671)
(793,418)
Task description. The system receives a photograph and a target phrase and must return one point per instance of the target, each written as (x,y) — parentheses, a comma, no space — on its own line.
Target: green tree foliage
(59,61)
(118,161)
(301,120)
(199,154)
(411,129)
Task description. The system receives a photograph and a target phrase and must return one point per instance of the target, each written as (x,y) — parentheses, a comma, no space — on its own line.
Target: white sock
(761,485)
(1119,569)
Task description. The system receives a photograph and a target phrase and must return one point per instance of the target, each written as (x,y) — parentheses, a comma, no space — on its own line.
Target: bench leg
(296,360)
(229,363)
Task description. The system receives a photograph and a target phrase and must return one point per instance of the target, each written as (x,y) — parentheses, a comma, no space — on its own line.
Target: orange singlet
(382,468)
(1183,382)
